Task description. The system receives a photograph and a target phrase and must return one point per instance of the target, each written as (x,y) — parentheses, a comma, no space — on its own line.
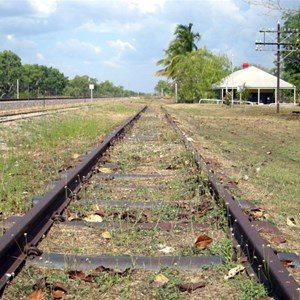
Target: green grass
(37,149)
(123,109)
(222,248)
(249,288)
(170,290)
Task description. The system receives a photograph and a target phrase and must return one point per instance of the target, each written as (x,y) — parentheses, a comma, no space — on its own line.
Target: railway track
(142,217)
(17,109)
(10,117)
(10,104)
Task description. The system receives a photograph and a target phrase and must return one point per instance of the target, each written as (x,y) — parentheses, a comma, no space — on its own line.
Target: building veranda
(260,85)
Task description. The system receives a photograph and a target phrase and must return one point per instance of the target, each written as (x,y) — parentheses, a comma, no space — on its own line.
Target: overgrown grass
(253,143)
(37,150)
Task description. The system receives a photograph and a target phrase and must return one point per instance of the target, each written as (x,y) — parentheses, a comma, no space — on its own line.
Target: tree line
(194,70)
(33,80)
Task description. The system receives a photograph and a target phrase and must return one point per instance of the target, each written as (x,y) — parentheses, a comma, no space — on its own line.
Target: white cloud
(113,26)
(9,37)
(44,8)
(121,46)
(21,46)
(75,46)
(148,6)
(40,57)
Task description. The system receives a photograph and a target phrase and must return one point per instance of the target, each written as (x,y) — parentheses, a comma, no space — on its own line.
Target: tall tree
(183,43)
(164,87)
(107,89)
(10,67)
(291,62)
(78,86)
(54,81)
(198,71)
(37,80)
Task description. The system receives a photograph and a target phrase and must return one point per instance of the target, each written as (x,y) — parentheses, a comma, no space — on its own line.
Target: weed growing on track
(249,288)
(224,249)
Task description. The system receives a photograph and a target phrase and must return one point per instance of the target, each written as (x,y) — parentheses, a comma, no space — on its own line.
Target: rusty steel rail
(21,240)
(261,256)
(5,118)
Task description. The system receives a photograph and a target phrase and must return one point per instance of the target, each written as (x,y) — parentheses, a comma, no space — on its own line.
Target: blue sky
(121,40)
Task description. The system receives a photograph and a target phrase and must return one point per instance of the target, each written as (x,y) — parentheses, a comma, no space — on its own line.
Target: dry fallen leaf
(71,216)
(232,272)
(291,222)
(36,295)
(105,170)
(106,235)
(81,275)
(100,212)
(202,241)
(233,182)
(93,218)
(59,287)
(76,274)
(59,295)
(278,239)
(102,269)
(287,263)
(160,280)
(189,287)
(90,278)
(76,155)
(256,212)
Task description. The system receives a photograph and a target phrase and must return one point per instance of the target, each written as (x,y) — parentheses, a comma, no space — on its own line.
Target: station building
(261,85)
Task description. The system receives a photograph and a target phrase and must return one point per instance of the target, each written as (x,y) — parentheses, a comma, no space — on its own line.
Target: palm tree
(184,42)
(186,39)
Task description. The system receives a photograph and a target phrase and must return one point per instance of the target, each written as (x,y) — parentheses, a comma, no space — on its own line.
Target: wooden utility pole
(278,68)
(277,43)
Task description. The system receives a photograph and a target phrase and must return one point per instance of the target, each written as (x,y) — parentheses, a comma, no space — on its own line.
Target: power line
(289,48)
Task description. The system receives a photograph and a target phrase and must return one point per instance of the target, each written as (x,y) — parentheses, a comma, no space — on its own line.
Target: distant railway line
(17,109)
(7,104)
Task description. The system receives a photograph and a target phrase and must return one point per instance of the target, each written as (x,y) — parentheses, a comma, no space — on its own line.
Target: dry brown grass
(255,147)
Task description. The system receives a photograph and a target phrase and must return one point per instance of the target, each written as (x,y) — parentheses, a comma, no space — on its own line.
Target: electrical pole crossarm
(278,44)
